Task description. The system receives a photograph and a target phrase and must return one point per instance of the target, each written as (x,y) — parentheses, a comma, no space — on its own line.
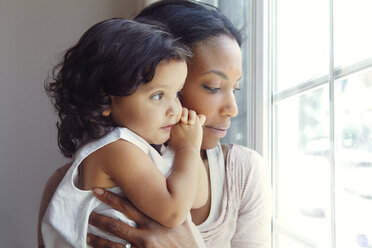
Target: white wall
(32,35)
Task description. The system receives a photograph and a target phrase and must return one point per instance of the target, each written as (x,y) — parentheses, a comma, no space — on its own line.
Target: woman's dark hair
(112,58)
(191,21)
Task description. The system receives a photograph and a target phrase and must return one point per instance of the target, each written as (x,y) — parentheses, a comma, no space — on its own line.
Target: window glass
(352,31)
(322,187)
(353,131)
(211,2)
(284,241)
(302,46)
(301,166)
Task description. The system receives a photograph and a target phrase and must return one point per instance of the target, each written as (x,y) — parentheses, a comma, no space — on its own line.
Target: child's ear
(106,112)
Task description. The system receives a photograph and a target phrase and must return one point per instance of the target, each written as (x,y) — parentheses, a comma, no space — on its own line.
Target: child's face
(154,108)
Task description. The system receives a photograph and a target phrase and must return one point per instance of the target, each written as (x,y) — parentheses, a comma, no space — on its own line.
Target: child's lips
(168,127)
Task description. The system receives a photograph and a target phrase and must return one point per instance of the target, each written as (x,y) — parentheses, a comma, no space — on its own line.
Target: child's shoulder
(114,140)
(118,157)
(118,149)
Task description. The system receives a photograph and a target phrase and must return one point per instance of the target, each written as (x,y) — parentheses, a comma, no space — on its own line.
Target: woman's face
(213,76)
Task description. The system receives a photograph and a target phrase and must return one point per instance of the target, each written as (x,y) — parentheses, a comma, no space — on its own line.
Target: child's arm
(184,138)
(202,188)
(166,200)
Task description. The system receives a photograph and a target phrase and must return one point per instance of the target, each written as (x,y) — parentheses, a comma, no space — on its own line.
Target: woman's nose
(229,106)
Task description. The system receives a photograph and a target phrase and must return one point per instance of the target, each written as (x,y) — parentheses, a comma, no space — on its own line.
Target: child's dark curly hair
(111,59)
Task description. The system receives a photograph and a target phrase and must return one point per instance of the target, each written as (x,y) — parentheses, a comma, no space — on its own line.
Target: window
(319,79)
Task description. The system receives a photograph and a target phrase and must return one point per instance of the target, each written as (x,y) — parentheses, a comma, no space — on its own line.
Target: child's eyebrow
(154,87)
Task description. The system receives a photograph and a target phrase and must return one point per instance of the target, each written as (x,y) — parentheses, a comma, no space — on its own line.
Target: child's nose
(174,108)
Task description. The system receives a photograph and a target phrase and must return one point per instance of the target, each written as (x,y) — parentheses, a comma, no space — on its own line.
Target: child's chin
(160,142)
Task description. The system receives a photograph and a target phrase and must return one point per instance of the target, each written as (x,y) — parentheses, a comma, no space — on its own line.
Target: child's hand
(188,133)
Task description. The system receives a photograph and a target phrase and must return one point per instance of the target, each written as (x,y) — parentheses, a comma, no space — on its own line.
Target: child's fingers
(189,117)
(192,117)
(184,115)
(202,119)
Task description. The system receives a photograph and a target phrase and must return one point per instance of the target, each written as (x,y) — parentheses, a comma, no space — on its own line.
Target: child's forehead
(157,85)
(168,75)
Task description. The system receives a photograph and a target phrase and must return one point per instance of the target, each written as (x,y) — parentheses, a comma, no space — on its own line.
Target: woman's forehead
(221,45)
(218,54)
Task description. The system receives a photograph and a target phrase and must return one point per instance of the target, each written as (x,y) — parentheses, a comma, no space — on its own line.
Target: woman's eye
(236,90)
(211,89)
(157,96)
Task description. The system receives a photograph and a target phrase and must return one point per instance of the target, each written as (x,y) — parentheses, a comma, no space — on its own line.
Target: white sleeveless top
(65,223)
(217,179)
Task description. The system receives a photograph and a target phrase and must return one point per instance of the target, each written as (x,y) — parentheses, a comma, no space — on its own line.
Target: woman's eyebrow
(221,74)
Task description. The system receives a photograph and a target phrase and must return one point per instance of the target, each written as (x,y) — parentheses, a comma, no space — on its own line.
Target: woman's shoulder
(246,172)
(241,155)
(244,164)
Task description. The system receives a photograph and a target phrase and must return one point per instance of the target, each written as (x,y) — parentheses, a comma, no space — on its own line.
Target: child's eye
(157,96)
(179,94)
(211,89)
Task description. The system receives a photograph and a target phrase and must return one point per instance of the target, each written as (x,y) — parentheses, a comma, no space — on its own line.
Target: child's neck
(157,148)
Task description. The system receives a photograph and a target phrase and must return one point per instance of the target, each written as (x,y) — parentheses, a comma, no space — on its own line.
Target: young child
(116,92)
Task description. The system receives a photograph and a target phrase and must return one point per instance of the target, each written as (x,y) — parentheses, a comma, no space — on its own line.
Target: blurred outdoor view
(323,196)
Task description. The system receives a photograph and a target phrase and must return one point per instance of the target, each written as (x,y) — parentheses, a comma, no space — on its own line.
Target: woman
(238,210)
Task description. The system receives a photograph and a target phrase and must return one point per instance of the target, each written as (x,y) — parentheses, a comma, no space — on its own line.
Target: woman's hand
(147,234)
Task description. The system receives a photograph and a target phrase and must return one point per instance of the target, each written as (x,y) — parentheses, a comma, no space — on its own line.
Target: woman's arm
(148,233)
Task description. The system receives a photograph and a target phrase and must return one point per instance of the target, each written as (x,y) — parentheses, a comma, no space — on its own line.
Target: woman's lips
(219,131)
